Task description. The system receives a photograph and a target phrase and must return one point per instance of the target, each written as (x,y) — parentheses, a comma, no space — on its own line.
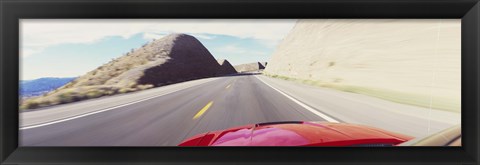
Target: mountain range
(37,87)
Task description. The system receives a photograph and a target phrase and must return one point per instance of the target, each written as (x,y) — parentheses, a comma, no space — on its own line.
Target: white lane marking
(103,110)
(301,104)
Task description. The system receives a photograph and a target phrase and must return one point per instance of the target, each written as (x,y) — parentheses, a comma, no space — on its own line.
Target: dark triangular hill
(225,67)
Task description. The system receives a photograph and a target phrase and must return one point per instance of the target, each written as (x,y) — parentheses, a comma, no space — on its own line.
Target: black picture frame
(13,10)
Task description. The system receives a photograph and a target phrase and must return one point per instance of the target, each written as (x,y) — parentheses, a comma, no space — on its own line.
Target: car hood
(300,134)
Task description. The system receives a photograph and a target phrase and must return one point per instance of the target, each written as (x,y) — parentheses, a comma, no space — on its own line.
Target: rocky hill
(171,59)
(225,67)
(413,62)
(250,67)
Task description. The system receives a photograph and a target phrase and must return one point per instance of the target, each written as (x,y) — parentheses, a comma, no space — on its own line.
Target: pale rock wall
(416,57)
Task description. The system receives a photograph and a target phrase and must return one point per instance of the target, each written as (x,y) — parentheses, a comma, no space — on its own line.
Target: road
(168,115)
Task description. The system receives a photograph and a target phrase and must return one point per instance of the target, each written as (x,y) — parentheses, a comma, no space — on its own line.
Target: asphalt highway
(165,116)
(169,119)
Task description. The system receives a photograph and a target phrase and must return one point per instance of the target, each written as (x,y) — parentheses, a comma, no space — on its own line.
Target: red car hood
(297,134)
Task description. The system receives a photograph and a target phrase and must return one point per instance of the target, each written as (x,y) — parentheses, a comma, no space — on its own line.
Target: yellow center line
(231,84)
(203,110)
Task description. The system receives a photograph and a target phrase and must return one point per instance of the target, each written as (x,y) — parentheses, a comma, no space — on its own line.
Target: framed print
(241,82)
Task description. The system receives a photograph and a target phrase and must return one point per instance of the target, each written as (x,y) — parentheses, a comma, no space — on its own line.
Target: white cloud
(203,36)
(28,51)
(38,34)
(233,49)
(150,36)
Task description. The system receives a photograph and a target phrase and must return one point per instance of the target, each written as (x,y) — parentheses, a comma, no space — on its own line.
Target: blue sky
(70,48)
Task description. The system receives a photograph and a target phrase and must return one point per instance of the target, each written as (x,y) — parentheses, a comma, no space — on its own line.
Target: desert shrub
(94,94)
(283,77)
(110,92)
(30,104)
(45,103)
(143,87)
(126,90)
(310,82)
(70,84)
(337,80)
(66,97)
(331,63)
(132,85)
(129,66)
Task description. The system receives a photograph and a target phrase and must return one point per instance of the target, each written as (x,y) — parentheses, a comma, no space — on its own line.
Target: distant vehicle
(298,133)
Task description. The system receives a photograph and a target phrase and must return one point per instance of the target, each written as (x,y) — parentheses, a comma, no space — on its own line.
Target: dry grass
(386,94)
(78,94)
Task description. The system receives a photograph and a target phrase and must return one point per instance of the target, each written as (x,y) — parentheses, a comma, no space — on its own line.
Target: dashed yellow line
(228,86)
(203,110)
